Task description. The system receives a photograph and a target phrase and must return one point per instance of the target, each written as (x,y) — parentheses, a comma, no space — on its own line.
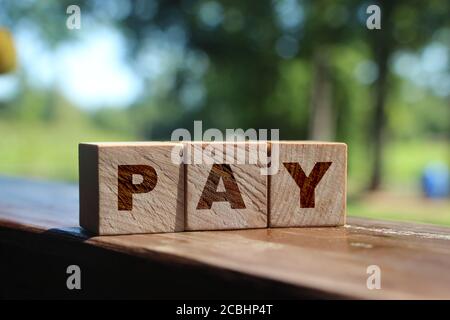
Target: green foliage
(40,134)
(46,151)
(402,208)
(252,64)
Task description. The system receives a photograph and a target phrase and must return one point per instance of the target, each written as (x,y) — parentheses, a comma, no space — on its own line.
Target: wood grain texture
(414,258)
(223,194)
(321,204)
(129,198)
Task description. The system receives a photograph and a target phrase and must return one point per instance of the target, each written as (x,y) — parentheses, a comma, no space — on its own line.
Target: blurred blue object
(435,180)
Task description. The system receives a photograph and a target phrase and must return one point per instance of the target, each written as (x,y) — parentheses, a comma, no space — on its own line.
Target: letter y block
(310,186)
(131,187)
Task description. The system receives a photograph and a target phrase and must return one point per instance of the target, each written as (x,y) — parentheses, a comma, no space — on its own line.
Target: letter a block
(131,188)
(225,188)
(310,186)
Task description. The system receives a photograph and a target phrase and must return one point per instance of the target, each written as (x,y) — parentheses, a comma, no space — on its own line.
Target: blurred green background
(138,69)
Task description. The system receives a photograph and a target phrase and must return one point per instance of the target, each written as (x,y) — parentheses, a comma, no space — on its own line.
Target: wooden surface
(319,262)
(221,198)
(322,201)
(117,204)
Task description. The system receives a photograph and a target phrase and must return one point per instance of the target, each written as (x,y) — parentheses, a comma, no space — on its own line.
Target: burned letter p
(127,187)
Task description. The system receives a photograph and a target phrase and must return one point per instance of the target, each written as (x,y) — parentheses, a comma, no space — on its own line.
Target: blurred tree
(402,28)
(259,64)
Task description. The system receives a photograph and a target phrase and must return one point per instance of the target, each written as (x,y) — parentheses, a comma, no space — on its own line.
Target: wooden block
(225,194)
(310,186)
(131,188)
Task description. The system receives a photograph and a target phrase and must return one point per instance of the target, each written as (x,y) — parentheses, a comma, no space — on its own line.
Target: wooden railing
(40,237)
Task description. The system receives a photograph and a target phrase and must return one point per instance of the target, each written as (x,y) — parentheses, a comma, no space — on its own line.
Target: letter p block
(131,188)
